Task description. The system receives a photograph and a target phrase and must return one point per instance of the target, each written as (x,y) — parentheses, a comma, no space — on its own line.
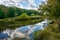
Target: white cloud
(1,2)
(19,5)
(43,0)
(31,3)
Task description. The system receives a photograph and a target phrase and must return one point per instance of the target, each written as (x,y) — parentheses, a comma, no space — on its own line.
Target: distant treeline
(6,12)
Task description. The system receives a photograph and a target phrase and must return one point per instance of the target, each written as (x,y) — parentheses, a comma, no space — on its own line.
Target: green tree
(2,15)
(53,7)
(53,31)
(24,16)
(11,12)
(4,10)
(18,11)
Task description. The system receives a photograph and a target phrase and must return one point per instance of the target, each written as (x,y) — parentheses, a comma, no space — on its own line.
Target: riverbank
(52,32)
(11,23)
(26,31)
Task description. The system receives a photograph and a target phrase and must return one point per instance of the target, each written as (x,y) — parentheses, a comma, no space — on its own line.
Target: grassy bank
(12,23)
(52,32)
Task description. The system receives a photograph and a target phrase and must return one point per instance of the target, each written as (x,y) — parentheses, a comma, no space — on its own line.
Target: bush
(50,33)
(22,17)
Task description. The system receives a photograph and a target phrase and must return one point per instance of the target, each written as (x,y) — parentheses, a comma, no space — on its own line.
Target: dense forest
(6,12)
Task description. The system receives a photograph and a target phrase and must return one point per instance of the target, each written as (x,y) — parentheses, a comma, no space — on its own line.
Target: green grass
(13,23)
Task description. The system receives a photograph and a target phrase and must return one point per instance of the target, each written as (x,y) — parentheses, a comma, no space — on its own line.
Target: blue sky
(26,4)
(31,5)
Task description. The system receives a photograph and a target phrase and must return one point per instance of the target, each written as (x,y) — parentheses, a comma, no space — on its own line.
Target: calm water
(23,33)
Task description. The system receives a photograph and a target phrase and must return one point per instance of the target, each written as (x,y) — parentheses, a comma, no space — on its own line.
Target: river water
(24,32)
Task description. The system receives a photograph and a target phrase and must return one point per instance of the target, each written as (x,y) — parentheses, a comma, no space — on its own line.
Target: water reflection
(23,33)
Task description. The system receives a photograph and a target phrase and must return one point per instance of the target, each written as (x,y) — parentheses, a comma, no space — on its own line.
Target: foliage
(50,33)
(11,12)
(23,17)
(1,13)
(6,12)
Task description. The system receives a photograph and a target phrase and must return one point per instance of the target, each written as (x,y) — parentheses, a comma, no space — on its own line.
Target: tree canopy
(52,32)
(6,12)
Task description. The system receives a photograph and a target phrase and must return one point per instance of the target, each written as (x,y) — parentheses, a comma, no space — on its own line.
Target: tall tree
(53,7)
(2,15)
(11,12)
(51,33)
